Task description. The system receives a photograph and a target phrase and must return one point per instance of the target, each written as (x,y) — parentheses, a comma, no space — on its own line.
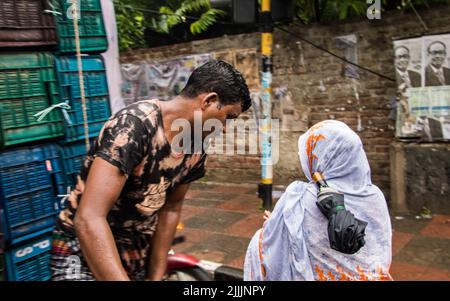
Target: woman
(293,243)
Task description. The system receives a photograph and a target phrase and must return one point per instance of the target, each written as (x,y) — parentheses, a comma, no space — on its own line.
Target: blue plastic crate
(2,266)
(30,180)
(96,94)
(30,260)
(73,154)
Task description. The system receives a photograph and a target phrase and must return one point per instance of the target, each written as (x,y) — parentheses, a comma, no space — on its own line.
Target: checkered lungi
(68,263)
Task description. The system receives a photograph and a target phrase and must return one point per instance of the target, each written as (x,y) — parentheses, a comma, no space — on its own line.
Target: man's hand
(169,216)
(103,187)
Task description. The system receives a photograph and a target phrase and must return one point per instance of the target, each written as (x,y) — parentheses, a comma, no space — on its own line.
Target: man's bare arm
(103,187)
(169,217)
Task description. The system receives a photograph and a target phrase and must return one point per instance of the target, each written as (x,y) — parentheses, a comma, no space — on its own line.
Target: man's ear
(208,100)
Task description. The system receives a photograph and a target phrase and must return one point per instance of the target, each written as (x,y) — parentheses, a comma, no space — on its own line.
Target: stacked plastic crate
(2,261)
(97,107)
(93,41)
(30,175)
(39,77)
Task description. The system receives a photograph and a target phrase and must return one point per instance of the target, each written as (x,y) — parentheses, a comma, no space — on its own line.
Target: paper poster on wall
(134,86)
(244,60)
(348,44)
(422,67)
(158,79)
(227,56)
(247,64)
(166,78)
(408,63)
(436,71)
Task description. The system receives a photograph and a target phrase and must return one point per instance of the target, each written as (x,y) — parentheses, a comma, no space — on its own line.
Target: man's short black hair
(436,42)
(222,78)
(400,47)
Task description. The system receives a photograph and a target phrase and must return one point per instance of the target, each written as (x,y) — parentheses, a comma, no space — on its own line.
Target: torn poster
(349,44)
(161,79)
(165,79)
(422,67)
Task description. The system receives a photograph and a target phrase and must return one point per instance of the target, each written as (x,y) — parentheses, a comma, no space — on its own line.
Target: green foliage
(348,6)
(207,19)
(405,4)
(305,10)
(134,16)
(329,10)
(130,27)
(323,11)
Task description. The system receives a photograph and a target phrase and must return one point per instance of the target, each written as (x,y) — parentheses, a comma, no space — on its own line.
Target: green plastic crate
(27,86)
(91,27)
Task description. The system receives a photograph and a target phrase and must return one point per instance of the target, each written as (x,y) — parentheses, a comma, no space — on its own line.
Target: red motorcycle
(184,267)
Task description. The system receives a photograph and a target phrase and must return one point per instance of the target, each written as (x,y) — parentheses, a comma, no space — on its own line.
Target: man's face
(437,55)
(221,112)
(402,59)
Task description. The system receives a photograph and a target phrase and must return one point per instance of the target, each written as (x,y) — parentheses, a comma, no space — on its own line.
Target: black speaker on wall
(246,11)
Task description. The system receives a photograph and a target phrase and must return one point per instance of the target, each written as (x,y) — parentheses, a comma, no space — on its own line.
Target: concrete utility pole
(266,108)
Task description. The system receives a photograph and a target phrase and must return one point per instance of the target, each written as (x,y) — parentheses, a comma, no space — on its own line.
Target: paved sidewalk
(220,220)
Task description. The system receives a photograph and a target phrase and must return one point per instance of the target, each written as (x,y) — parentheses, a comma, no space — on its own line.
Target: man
(435,73)
(404,76)
(121,218)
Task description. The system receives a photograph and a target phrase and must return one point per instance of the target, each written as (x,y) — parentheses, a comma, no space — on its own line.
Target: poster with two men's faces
(422,70)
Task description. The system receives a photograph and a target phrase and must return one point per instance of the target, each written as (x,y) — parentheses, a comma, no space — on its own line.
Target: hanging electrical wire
(334,54)
(425,27)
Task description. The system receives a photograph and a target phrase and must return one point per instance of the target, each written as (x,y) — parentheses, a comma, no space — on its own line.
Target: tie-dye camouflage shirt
(133,140)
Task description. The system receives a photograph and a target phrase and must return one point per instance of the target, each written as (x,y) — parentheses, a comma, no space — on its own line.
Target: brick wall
(319,91)
(420,177)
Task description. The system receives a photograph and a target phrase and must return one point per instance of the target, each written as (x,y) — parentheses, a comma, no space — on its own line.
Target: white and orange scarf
(293,243)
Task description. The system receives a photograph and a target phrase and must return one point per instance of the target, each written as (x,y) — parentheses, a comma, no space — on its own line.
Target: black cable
(333,54)
(418,16)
